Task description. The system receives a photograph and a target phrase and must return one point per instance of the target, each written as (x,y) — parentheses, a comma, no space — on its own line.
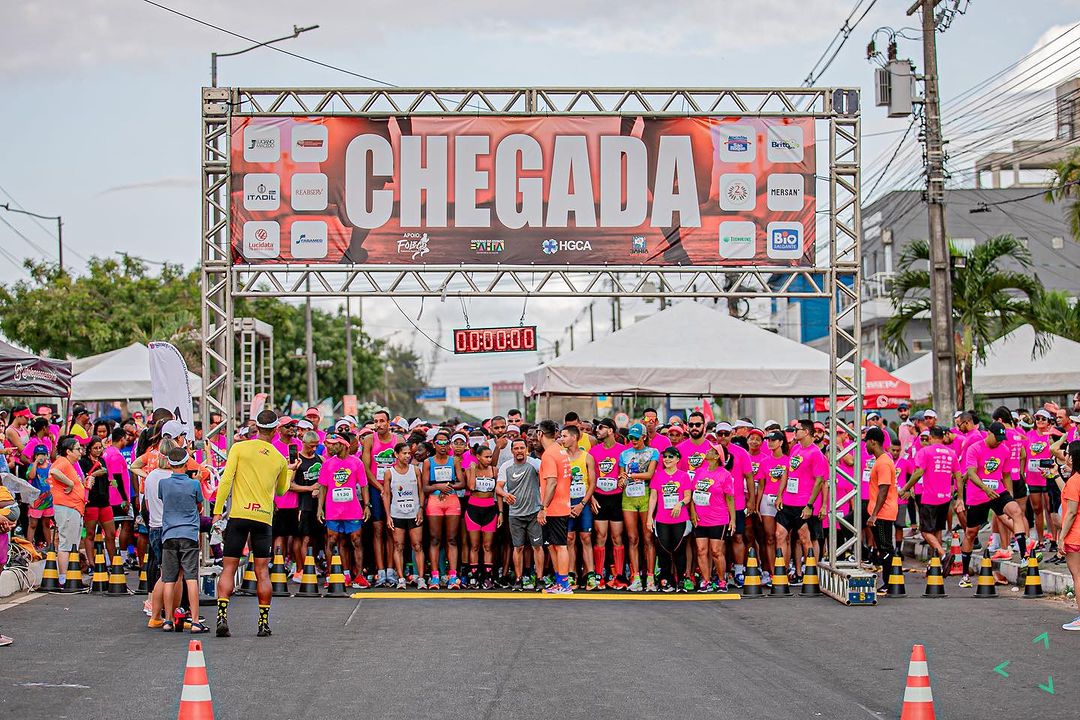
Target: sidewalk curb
(1053,581)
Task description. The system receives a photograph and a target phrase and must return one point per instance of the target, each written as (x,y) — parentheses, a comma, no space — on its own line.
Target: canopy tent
(690,350)
(1010,368)
(881,390)
(26,374)
(122,374)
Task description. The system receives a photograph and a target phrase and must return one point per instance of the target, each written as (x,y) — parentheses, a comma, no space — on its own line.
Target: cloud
(172,183)
(73,34)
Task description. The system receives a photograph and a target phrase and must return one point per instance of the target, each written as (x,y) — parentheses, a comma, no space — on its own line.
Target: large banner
(587,190)
(169,383)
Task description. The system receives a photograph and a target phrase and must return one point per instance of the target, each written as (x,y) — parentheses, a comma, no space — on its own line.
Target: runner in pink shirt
(937,469)
(653,438)
(669,519)
(286,522)
(807,471)
(344,504)
(1039,466)
(607,505)
(738,462)
(772,476)
(712,512)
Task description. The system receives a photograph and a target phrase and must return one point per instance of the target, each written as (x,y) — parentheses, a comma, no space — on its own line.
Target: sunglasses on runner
(695,424)
(442,442)
(724,433)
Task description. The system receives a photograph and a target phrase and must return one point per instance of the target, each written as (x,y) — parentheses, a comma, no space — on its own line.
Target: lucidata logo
(262,144)
(308,239)
(784,143)
(262,191)
(262,240)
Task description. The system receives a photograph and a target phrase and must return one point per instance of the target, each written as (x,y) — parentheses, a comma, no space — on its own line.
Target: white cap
(1044,413)
(1075,418)
(513,428)
(908,423)
(724,426)
(305,425)
(347,419)
(402,423)
(415,424)
(459,435)
(957,414)
(431,433)
(742,424)
(770,422)
(173,429)
(929,413)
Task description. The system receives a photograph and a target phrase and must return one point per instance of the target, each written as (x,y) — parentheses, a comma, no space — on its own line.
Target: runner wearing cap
(518,485)
(985,462)
(637,464)
(579,524)
(254,474)
(377,455)
(772,476)
(404,505)
(807,470)
(344,505)
(936,467)
(712,511)
(1014,474)
(738,462)
(669,519)
(443,476)
(757,450)
(181,502)
(1039,468)
(607,505)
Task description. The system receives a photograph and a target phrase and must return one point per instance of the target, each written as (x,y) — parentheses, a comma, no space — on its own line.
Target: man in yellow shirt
(254,473)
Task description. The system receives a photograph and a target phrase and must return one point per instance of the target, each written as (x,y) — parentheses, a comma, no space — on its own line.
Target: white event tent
(688,350)
(122,374)
(1010,369)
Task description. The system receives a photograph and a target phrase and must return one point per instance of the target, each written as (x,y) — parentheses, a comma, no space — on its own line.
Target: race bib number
(670,500)
(577,489)
(607,484)
(406,502)
(701,498)
(768,503)
(1033,466)
(635,488)
(992,484)
(793,485)
(444,474)
(342,494)
(485,484)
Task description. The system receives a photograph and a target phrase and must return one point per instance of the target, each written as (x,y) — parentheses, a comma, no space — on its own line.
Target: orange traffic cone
(195,703)
(918,700)
(956,567)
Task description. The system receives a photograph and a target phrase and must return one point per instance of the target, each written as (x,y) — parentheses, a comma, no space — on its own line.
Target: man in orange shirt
(555,505)
(883,500)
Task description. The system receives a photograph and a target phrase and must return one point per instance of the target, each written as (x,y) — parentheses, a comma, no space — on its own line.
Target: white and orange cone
(918,700)
(195,703)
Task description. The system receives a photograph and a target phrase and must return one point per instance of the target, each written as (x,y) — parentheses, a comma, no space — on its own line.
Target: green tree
(1058,313)
(1065,188)
(988,300)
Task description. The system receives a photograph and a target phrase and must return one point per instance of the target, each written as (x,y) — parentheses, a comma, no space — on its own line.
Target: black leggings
(670,538)
(883,540)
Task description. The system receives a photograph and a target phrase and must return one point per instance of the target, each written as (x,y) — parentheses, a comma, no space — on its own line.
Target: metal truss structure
(256,359)
(838,282)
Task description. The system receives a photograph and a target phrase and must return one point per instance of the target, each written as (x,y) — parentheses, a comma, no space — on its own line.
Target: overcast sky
(101,97)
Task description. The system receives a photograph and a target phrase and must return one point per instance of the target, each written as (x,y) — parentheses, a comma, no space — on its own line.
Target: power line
(841,35)
(40,250)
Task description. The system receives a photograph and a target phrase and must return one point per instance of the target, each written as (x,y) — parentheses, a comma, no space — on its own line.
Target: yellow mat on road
(489,595)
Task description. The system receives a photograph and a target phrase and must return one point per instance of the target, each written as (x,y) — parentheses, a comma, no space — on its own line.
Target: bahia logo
(487,247)
(552,246)
(638,245)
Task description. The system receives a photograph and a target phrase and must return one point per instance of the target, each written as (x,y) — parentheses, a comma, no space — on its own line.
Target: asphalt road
(91,657)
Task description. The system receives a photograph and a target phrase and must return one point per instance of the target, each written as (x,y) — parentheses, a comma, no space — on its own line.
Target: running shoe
(147,608)
(264,631)
(720,586)
(883,591)
(361,583)
(1002,554)
(549,580)
(348,578)
(650,584)
(503,581)
(5,641)
(665,587)
(471,581)
(380,579)
(592,581)
(965,582)
(391,577)
(434,584)
(739,579)
(421,584)
(154,623)
(400,583)
(558,590)
(296,577)
(529,583)
(488,584)
(453,583)
(635,586)
(766,579)
(616,583)
(1073,624)
(704,586)
(223,629)
(518,586)
(688,585)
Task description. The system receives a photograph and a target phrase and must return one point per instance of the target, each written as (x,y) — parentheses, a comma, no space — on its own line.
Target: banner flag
(169,386)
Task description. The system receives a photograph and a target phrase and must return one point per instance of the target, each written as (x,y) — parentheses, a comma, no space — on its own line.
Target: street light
(59,228)
(214,56)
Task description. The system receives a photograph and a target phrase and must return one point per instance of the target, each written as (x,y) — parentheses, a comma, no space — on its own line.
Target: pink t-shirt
(771,472)
(938,463)
(904,467)
(693,455)
(740,466)
(343,478)
(659,443)
(804,466)
(669,491)
(607,467)
(711,489)
(1038,446)
(32,443)
(1016,441)
(989,465)
(117,470)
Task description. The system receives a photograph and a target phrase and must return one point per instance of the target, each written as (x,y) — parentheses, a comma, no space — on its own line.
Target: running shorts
(933,518)
(790,517)
(977,515)
(635,504)
(583,522)
(555,530)
(526,529)
(816,527)
(342,527)
(610,509)
(286,522)
(378,512)
(96,515)
(258,536)
(740,522)
(404,523)
(441,505)
(767,507)
(1034,489)
(1053,493)
(308,524)
(709,532)
(481,517)
(48,513)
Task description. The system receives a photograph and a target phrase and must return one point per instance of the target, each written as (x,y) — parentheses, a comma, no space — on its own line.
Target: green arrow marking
(1045,639)
(1000,669)
(1049,686)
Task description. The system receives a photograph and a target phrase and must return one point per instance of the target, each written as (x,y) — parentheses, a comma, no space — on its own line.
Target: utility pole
(215,55)
(309,350)
(59,229)
(941,311)
(592,327)
(348,348)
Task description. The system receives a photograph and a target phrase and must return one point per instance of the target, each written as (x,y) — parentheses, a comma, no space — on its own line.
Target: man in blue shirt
(181,500)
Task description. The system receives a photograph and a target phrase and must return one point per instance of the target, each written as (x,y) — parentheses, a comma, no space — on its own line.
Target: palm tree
(1058,314)
(987,300)
(1066,187)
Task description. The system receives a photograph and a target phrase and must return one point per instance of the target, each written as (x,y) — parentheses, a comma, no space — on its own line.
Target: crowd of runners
(654,506)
